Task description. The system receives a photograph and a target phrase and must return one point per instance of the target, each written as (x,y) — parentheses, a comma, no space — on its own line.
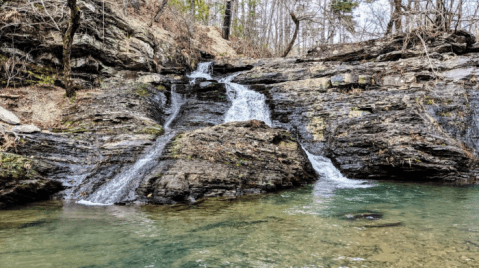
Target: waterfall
(117,189)
(246,104)
(331,178)
(176,103)
(204,71)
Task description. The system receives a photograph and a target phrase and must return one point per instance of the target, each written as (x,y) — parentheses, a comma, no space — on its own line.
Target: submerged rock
(230,159)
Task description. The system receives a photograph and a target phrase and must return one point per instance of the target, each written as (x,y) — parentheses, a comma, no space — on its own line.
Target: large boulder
(230,160)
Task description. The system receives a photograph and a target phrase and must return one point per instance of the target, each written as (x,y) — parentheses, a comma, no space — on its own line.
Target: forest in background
(270,24)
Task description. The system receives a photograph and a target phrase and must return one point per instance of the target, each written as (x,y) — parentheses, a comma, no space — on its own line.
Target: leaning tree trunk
(73,26)
(227,21)
(160,11)
(295,35)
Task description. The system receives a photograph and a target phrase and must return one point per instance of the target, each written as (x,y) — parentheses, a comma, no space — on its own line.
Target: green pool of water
(389,225)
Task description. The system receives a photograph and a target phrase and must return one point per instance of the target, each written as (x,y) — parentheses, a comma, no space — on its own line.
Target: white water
(118,188)
(249,104)
(204,71)
(330,178)
(176,103)
(246,104)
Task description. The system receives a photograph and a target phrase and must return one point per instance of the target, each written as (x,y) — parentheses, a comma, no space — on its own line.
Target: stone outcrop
(383,116)
(26,129)
(227,160)
(381,112)
(108,46)
(21,180)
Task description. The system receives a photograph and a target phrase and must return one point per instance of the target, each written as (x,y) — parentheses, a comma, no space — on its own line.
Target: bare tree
(295,35)
(73,25)
(227,21)
(192,10)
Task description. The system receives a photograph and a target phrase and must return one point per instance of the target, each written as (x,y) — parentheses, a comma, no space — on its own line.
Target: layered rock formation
(230,159)
(388,110)
(108,45)
(21,180)
(390,114)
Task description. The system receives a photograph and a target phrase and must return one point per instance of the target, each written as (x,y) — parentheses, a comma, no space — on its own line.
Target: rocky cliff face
(104,133)
(382,109)
(108,47)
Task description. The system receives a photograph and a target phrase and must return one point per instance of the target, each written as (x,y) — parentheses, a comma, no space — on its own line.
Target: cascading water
(331,177)
(246,104)
(118,189)
(249,104)
(203,71)
(176,103)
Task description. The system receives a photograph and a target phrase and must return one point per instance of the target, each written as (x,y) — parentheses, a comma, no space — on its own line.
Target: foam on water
(246,104)
(204,71)
(330,178)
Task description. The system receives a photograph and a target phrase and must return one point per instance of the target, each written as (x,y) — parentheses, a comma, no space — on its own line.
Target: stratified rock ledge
(231,159)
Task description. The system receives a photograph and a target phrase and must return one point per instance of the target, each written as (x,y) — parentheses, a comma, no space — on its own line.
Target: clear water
(299,228)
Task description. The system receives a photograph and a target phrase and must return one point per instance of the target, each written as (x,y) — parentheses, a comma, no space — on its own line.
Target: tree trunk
(227,21)
(441,16)
(295,35)
(192,10)
(395,18)
(398,21)
(73,26)
(160,11)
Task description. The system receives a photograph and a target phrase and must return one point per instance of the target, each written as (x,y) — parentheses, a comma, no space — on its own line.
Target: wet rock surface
(379,116)
(227,160)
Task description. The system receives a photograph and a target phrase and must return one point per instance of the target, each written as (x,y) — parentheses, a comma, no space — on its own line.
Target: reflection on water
(389,225)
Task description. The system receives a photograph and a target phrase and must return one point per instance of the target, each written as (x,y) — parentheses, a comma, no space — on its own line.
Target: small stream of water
(119,189)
